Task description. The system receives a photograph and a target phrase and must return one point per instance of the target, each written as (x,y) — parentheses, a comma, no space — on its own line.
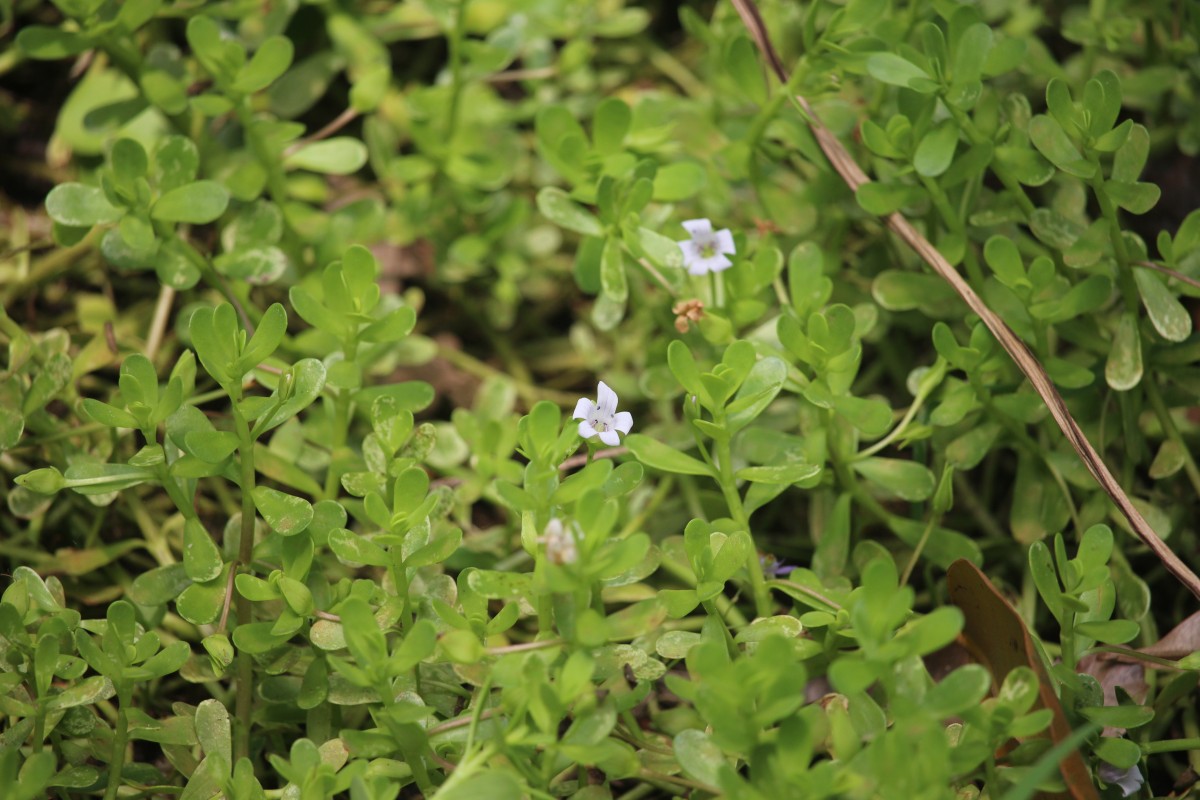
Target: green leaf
(486,784)
(1102,99)
(214,334)
(610,124)
(700,756)
(267,336)
(759,388)
(51,44)
(741,60)
(1113,631)
(1119,716)
(308,379)
(907,480)
(271,60)
(560,209)
(936,150)
(201,557)
(341,155)
(178,162)
(678,181)
(898,71)
(285,513)
(363,637)
(80,206)
(95,479)
(1167,314)
(108,415)
(612,272)
(1121,753)
(129,161)
(656,455)
(882,199)
(1123,369)
(961,690)
(683,367)
(1052,141)
(211,446)
(1135,197)
(1130,159)
(202,603)
(971,53)
(196,203)
(786,474)
(1045,578)
(354,549)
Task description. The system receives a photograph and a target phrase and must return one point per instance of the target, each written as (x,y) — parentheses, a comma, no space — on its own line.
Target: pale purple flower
(772,567)
(706,251)
(1128,780)
(602,418)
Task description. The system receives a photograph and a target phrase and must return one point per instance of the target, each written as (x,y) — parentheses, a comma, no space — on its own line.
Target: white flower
(706,251)
(561,542)
(602,418)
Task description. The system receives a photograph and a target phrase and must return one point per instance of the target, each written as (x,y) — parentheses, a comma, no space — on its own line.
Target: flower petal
(586,430)
(698,228)
(583,408)
(610,438)
(606,399)
(714,263)
(725,242)
(691,252)
(623,421)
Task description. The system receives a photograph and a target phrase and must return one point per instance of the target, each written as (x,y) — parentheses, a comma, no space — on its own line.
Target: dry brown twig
(853,175)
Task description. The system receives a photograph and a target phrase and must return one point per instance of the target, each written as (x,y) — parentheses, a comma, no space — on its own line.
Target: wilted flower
(706,251)
(686,312)
(561,542)
(602,418)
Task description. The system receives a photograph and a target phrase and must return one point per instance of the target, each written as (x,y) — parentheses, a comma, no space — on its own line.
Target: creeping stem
(758,584)
(245,666)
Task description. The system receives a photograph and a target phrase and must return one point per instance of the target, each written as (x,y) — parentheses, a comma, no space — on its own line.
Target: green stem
(758,584)
(711,608)
(1124,263)
(39,725)
(245,666)
(1171,746)
(117,761)
(923,393)
(1012,184)
(941,202)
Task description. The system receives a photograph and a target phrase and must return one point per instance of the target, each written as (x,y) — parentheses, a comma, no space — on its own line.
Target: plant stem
(758,584)
(245,666)
(1171,746)
(120,741)
(1012,184)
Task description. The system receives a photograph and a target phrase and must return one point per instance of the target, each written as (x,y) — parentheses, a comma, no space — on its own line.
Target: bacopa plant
(494,399)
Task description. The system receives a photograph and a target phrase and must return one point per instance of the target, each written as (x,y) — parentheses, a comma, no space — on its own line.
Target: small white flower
(602,418)
(706,251)
(561,542)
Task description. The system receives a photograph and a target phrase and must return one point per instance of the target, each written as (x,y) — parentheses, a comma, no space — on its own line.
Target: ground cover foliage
(527,398)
